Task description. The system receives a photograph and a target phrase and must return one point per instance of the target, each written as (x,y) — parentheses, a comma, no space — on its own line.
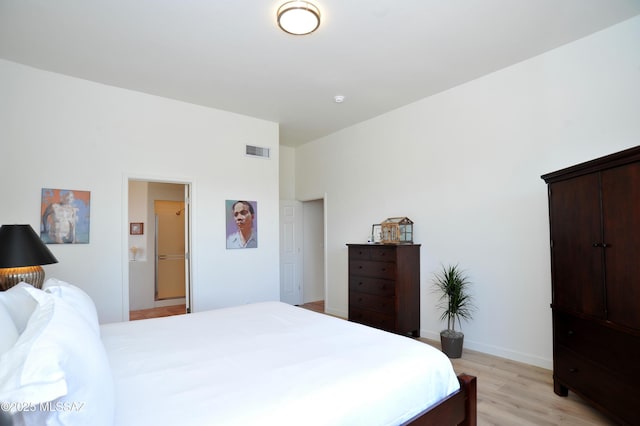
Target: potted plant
(456,304)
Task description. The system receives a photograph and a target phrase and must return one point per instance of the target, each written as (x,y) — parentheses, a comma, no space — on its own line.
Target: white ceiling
(230,54)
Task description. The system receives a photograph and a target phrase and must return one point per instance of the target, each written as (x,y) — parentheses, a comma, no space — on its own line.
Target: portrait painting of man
(242,224)
(64,216)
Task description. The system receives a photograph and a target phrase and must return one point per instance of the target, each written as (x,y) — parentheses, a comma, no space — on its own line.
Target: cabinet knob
(573,370)
(570,333)
(603,245)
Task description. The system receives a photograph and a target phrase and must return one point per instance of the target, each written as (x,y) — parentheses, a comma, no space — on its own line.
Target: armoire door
(621,217)
(577,259)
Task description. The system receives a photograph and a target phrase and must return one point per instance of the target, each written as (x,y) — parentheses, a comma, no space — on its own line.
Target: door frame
(189,184)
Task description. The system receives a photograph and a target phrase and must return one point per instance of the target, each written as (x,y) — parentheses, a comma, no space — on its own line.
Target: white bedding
(269,363)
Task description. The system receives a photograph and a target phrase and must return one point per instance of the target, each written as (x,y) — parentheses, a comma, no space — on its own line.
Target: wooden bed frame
(459,408)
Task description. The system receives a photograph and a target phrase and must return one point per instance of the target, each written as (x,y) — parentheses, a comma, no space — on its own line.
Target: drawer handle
(360,267)
(360,283)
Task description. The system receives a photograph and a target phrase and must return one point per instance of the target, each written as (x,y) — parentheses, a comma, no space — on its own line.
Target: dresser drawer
(360,252)
(366,268)
(372,318)
(372,286)
(378,253)
(599,343)
(383,254)
(617,394)
(382,304)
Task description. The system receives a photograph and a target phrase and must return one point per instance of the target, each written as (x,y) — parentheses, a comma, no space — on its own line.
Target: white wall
(62,132)
(465,165)
(287,173)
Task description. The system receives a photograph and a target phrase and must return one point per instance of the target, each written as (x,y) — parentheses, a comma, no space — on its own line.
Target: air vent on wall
(257,151)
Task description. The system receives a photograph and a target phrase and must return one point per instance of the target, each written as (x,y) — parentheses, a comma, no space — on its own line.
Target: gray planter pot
(451,342)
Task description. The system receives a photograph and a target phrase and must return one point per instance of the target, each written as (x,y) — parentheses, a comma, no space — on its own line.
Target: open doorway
(302,253)
(313,291)
(159,270)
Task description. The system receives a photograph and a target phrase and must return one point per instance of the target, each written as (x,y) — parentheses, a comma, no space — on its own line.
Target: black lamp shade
(21,246)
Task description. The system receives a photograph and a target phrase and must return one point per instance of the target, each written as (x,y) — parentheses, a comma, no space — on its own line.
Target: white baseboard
(497,351)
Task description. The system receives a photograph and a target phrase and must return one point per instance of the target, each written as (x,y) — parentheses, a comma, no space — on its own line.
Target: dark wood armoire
(594,218)
(384,286)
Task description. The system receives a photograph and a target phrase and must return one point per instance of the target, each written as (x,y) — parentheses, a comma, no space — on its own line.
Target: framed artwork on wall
(242,224)
(136,228)
(64,216)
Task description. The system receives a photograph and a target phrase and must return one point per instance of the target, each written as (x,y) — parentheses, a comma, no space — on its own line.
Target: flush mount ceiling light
(298,17)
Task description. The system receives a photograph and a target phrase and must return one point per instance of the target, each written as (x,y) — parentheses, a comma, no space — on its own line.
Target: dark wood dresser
(384,286)
(594,217)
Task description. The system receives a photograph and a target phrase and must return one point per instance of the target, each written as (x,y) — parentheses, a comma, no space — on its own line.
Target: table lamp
(21,254)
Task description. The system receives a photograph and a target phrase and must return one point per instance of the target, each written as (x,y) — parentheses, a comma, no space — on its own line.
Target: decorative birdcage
(397,230)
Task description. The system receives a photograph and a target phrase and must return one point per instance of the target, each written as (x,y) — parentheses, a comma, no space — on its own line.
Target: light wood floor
(509,393)
(314,306)
(515,394)
(165,311)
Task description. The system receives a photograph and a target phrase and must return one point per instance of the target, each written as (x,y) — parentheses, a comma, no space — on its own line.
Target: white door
(291,252)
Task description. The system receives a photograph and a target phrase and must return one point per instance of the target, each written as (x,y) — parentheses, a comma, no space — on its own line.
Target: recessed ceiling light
(298,17)
(339,99)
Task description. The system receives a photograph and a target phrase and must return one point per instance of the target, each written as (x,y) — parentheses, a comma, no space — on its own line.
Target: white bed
(270,363)
(264,363)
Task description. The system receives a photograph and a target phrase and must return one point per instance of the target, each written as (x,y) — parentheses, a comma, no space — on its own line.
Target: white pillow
(27,373)
(19,304)
(8,332)
(76,297)
(58,359)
